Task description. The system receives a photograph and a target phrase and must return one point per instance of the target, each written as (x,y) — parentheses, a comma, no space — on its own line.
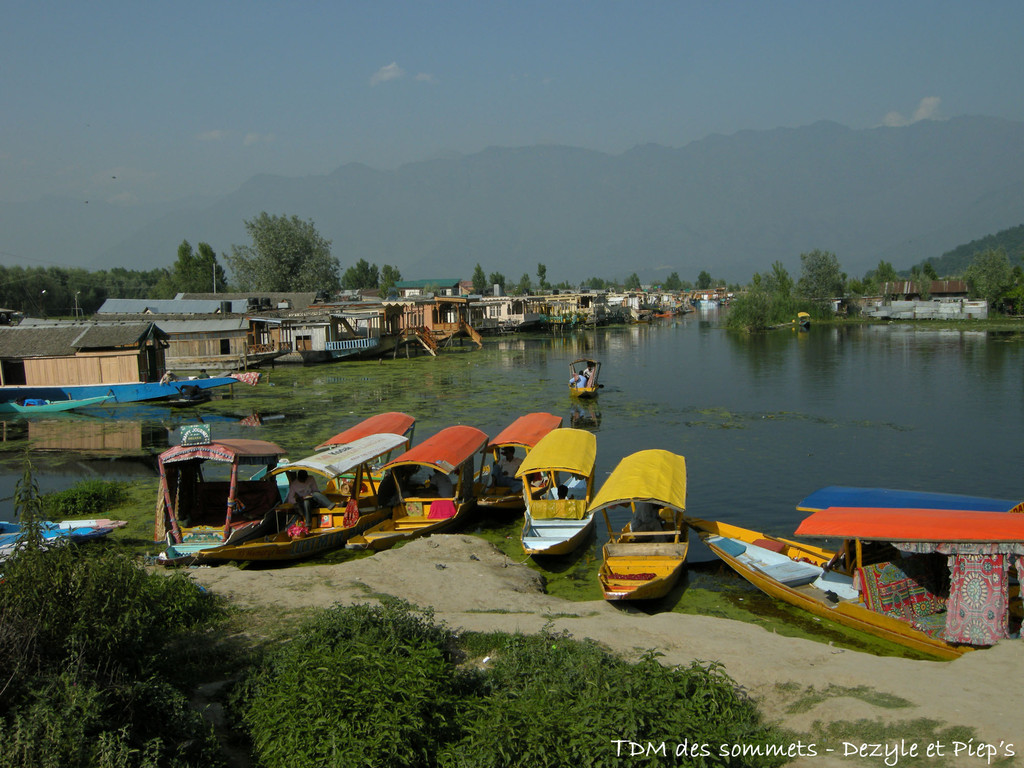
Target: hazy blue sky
(139,101)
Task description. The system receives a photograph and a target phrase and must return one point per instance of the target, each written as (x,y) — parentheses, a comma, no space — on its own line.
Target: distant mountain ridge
(1011,241)
(729,204)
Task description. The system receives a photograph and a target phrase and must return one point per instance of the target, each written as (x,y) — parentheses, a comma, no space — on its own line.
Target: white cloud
(257,138)
(426,77)
(391,72)
(927,109)
(212,135)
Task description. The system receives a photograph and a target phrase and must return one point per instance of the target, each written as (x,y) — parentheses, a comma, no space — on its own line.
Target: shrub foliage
(382,686)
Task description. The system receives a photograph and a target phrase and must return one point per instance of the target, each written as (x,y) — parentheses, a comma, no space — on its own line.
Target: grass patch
(812,697)
(921,732)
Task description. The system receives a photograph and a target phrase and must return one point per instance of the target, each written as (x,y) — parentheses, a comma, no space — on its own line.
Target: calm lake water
(762,421)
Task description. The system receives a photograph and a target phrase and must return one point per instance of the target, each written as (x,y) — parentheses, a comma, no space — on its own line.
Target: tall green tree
(389,278)
(989,275)
(777,281)
(479,280)
(820,276)
(360,275)
(496,278)
(523,287)
(193,272)
(633,282)
(542,277)
(672,282)
(703,280)
(286,254)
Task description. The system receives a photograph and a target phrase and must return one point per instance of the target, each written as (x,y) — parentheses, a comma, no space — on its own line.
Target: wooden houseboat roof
(61,339)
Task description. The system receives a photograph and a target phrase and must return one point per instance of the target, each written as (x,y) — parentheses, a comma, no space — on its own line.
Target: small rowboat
(645,559)
(48,406)
(583,377)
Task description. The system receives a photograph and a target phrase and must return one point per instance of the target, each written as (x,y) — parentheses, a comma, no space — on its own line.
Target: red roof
(238,451)
(527,430)
(393,422)
(446,450)
(903,524)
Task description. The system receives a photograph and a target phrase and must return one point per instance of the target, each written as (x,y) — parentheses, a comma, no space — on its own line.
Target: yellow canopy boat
(645,559)
(558,481)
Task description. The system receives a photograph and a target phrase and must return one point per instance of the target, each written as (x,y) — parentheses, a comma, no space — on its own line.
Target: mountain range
(731,205)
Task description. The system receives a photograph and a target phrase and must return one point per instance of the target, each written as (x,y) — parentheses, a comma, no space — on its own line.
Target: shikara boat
(645,558)
(393,422)
(562,459)
(583,377)
(932,578)
(203,503)
(520,436)
(347,504)
(428,489)
(35,405)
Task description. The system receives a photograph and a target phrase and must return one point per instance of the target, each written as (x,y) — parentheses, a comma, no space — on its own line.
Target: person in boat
(579,381)
(167,378)
(589,371)
(300,491)
(203,374)
(503,473)
(646,518)
(443,484)
(577,486)
(538,482)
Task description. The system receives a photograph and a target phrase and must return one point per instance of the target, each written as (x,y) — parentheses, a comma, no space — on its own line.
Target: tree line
(773,297)
(285,254)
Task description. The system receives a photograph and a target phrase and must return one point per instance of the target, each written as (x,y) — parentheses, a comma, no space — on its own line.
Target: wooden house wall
(205,345)
(86,368)
(87,437)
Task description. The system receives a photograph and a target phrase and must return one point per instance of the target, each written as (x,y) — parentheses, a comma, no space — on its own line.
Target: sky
(136,102)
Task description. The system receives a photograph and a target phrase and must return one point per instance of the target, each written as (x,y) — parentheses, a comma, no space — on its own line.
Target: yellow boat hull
(848,613)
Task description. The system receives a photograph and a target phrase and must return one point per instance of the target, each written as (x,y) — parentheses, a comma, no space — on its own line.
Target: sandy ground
(471,585)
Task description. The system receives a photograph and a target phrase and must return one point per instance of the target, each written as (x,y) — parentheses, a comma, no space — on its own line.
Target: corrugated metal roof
(47,340)
(168,306)
(203,325)
(298,299)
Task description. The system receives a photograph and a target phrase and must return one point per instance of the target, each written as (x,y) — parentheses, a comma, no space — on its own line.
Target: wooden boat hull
(554,536)
(501,499)
(399,526)
(130,392)
(849,613)
(51,406)
(641,570)
(281,547)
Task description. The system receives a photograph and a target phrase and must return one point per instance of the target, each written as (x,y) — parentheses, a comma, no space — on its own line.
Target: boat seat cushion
(774,546)
(729,546)
(442,509)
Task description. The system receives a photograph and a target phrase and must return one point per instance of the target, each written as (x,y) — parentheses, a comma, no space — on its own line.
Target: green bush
(553,701)
(359,685)
(84,635)
(85,499)
(381,686)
